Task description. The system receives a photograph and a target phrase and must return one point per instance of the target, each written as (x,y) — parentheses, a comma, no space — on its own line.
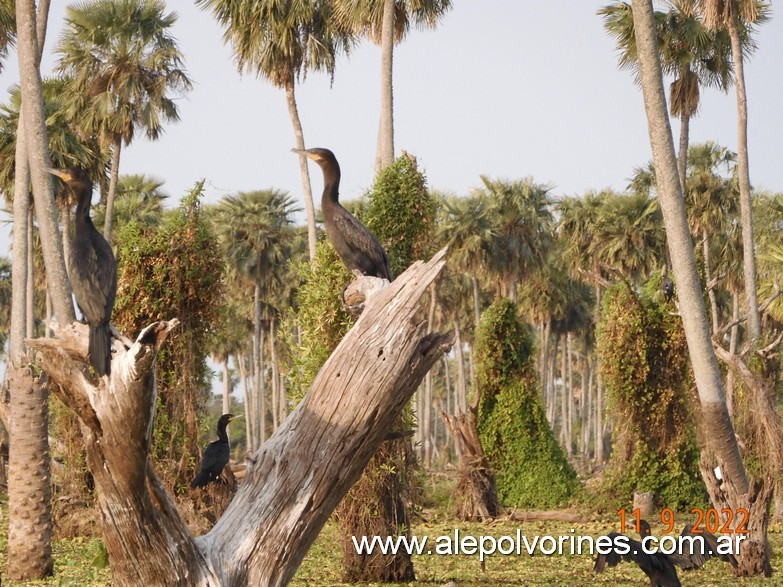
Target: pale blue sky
(507,88)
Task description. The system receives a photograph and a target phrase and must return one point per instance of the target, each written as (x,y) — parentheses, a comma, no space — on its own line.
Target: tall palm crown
(280,42)
(255,231)
(694,55)
(124,63)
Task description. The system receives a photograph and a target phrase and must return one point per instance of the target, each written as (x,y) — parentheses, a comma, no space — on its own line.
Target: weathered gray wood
(295,479)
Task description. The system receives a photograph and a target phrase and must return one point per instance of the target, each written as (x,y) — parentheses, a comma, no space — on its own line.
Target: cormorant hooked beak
(63,174)
(307,153)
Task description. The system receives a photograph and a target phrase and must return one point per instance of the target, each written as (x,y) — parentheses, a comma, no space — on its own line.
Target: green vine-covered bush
(531,469)
(400,211)
(174,271)
(320,315)
(643,359)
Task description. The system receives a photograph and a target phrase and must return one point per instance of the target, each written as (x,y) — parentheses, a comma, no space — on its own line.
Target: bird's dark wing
(359,238)
(93,275)
(617,555)
(213,460)
(702,551)
(654,566)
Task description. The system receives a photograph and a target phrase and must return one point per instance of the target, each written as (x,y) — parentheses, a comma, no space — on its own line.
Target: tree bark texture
(38,156)
(743,175)
(293,482)
(30,512)
(386,130)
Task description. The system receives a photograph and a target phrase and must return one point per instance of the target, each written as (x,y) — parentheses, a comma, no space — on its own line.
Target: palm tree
(689,52)
(739,17)
(467,229)
(629,235)
(524,228)
(280,42)
(124,66)
(387,22)
(255,231)
(29,488)
(719,430)
(712,204)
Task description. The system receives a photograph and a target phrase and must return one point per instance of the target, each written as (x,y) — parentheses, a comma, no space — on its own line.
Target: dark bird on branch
(92,270)
(660,567)
(215,456)
(357,246)
(668,289)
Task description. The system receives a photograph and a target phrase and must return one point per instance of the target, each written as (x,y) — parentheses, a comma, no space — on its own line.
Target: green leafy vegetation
(174,271)
(531,469)
(644,364)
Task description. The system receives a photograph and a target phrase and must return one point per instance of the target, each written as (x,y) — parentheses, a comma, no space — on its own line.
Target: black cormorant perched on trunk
(660,567)
(92,270)
(215,456)
(356,245)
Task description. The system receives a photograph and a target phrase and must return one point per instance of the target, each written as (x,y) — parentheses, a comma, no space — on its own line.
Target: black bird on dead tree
(355,244)
(660,567)
(215,456)
(92,270)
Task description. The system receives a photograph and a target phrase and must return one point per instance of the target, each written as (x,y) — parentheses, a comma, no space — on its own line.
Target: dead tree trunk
(477,494)
(295,479)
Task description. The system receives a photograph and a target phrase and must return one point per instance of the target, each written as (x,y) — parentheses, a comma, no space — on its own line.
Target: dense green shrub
(644,364)
(401,212)
(531,469)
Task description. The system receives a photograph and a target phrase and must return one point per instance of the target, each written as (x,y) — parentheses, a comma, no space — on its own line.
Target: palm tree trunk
(30,293)
(293,112)
(461,403)
(705,243)
(598,432)
(386,146)
(29,478)
(550,395)
(715,416)
(116,148)
(570,379)
(565,439)
(743,171)
(262,387)
(733,342)
(275,376)
(682,156)
(476,301)
(49,312)
(19,267)
(226,387)
(251,447)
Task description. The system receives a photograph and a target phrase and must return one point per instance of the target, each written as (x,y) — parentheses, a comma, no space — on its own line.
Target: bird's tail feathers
(202,480)
(100,349)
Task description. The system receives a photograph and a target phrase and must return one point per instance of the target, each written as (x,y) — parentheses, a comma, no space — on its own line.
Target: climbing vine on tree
(174,271)
(644,364)
(531,468)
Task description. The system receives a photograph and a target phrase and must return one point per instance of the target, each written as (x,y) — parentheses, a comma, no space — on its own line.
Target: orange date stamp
(725,521)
